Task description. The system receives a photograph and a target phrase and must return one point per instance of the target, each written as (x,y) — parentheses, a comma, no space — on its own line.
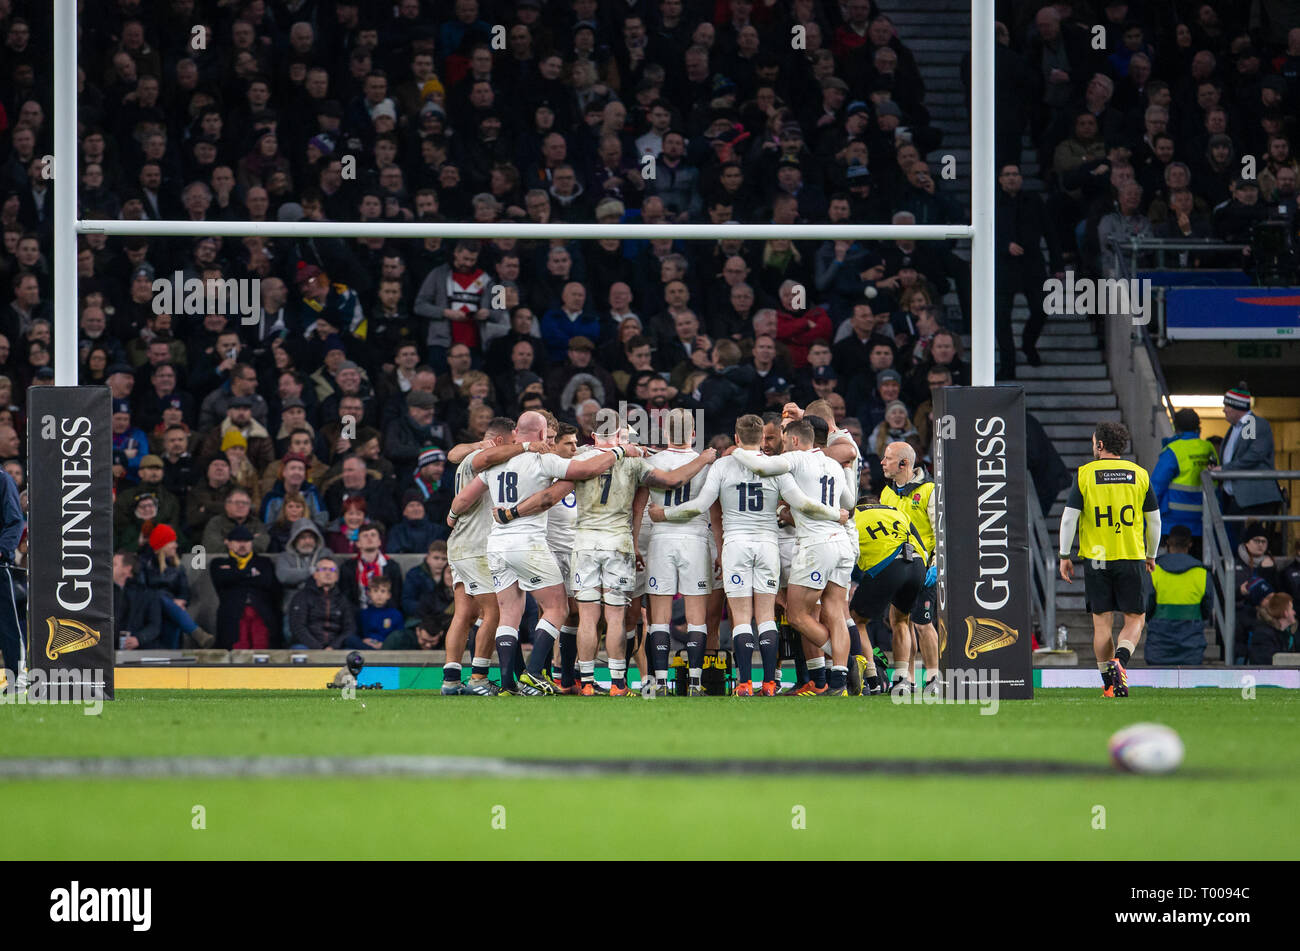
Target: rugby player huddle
(772,527)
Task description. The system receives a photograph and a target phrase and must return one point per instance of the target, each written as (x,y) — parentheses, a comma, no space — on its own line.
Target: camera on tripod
(1273,250)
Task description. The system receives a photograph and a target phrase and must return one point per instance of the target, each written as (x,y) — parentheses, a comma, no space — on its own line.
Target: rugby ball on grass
(1146,748)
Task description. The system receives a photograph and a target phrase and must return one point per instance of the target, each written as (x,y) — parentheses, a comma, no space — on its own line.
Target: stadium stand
(677,111)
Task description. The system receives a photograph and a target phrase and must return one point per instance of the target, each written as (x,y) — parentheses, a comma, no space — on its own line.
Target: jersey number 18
(508,487)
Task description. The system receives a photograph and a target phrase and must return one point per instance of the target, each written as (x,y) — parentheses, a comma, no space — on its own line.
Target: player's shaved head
(531,425)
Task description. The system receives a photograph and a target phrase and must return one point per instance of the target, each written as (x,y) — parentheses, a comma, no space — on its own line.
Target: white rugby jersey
(852,476)
(604,513)
(748,501)
(811,482)
(667,460)
(469,535)
(509,484)
(560,521)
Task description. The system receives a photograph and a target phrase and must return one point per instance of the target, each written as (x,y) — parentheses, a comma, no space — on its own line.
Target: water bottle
(1060,637)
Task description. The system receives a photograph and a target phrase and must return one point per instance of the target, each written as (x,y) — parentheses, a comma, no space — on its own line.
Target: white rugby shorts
(679,564)
(823,561)
(750,566)
(474,573)
(530,568)
(600,570)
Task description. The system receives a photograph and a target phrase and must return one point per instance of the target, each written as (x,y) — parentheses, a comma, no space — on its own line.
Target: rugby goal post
(981,233)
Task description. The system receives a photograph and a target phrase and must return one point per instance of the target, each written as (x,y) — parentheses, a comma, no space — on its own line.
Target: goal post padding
(71,633)
(982,538)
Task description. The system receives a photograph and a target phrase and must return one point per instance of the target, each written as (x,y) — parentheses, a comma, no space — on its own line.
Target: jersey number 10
(678,495)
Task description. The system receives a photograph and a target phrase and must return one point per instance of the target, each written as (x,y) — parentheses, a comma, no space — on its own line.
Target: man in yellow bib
(911,491)
(892,556)
(1112,506)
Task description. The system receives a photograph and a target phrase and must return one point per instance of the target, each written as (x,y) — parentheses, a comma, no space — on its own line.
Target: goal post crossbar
(980,232)
(523,230)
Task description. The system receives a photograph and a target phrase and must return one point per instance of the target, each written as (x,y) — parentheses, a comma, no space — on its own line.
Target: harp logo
(986,634)
(68,637)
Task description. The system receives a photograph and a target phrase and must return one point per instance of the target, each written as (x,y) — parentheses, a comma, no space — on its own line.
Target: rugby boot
(540,683)
(1119,677)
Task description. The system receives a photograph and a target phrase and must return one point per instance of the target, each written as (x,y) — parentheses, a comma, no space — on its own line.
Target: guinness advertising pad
(982,537)
(70,617)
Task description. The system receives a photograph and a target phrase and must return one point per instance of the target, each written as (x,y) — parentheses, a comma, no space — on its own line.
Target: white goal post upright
(980,231)
(983,190)
(66,176)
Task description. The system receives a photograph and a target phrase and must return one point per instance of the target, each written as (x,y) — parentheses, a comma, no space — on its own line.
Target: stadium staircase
(1071,392)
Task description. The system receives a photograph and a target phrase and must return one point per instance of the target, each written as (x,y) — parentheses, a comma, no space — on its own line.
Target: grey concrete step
(1074,461)
(1070,357)
(1077,371)
(1068,342)
(1064,386)
(1037,401)
(1068,431)
(1079,344)
(1090,416)
(1074,447)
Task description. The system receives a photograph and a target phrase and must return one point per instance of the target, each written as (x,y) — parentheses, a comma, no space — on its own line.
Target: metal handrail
(1232,475)
(1217,556)
(1216,552)
(1136,244)
(1043,572)
(1128,270)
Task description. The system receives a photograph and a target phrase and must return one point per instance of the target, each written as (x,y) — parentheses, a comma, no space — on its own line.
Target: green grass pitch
(1233,798)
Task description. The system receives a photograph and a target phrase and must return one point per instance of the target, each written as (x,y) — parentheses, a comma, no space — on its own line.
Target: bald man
(911,491)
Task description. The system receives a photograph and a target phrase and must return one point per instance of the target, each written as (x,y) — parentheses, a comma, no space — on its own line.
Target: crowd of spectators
(320,427)
(1180,125)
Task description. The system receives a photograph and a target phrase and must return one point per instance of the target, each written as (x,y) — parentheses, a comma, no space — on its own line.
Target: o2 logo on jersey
(735,579)
(816,576)
(654,582)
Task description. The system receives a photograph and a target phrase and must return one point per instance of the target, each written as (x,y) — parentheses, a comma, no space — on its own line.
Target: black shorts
(926,602)
(1120,586)
(898,584)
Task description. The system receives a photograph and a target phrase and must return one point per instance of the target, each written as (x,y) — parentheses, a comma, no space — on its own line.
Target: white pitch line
(224,767)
